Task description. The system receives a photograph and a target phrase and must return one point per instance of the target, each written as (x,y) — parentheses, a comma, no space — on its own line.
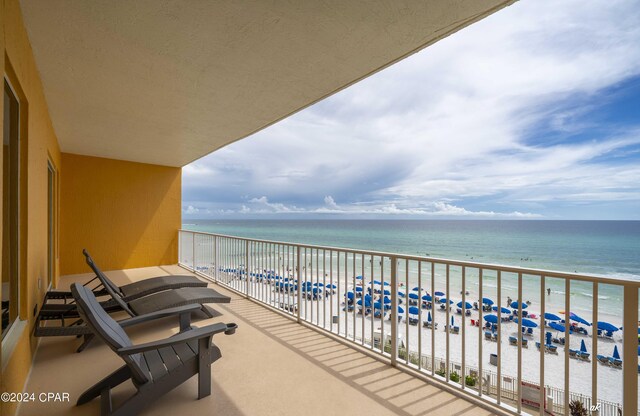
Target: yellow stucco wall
(41,144)
(126,214)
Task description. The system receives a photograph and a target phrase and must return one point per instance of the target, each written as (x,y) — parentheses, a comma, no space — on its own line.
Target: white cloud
(453,123)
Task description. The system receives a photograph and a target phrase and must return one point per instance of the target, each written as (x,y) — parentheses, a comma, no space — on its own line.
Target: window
(10,208)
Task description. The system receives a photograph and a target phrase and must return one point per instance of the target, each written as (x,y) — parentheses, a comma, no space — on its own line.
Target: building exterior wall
(125,214)
(38,145)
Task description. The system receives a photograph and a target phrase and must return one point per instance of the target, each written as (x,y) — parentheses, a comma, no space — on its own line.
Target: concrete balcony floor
(271,366)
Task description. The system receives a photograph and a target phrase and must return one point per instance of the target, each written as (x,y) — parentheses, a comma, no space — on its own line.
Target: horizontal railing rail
(402,308)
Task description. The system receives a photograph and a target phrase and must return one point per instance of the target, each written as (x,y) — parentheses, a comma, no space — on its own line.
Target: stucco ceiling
(167,82)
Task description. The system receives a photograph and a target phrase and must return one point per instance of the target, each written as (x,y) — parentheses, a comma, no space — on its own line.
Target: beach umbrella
(358,289)
(358,277)
(576,318)
(493,319)
(401,294)
(616,355)
(386,292)
(452,324)
(583,347)
(316,290)
(413,295)
(487,301)
(444,300)
(367,303)
(558,327)
(502,309)
(515,305)
(377,305)
(376,282)
(606,326)
(400,310)
(428,299)
(330,286)
(417,289)
(551,317)
(429,319)
(386,300)
(439,293)
(367,298)
(527,323)
(386,284)
(467,305)
(414,311)
(349,295)
(547,337)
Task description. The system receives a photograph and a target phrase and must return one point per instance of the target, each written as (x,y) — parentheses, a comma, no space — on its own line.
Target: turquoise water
(607,248)
(610,248)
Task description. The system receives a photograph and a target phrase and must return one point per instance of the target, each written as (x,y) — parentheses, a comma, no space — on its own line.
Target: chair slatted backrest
(112,288)
(107,329)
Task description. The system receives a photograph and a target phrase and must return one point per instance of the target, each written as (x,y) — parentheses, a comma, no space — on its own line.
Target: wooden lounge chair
(71,324)
(155,368)
(129,291)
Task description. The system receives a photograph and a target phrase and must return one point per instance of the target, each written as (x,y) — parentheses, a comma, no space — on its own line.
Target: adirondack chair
(155,368)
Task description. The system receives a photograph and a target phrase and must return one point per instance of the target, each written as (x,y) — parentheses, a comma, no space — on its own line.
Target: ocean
(603,248)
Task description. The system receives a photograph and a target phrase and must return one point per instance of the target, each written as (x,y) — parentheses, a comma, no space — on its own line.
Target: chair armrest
(179,310)
(180,338)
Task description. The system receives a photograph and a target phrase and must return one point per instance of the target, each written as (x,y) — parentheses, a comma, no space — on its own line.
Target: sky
(531,113)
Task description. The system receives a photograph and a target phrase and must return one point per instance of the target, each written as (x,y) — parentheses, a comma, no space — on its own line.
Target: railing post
(298,284)
(193,252)
(394,312)
(630,351)
(216,258)
(246,269)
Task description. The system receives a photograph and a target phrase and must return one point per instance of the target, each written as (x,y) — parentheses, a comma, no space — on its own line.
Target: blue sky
(532,113)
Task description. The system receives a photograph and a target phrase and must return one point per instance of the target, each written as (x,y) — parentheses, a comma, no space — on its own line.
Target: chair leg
(204,367)
(112,380)
(105,402)
(86,342)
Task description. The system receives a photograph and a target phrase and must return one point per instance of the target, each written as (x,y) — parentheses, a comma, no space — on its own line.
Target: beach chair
(413,320)
(129,291)
(456,329)
(429,324)
(487,335)
(494,336)
(459,311)
(530,331)
(71,323)
(467,312)
(584,356)
(513,341)
(603,359)
(156,367)
(538,344)
(573,353)
(615,362)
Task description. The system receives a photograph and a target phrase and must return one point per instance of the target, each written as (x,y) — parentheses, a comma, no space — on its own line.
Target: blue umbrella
(376,282)
(377,305)
(308,284)
(467,305)
(548,337)
(515,305)
(386,283)
(330,286)
(401,293)
(616,355)
(429,319)
(443,300)
(487,301)
(349,295)
(559,327)
(358,277)
(502,309)
(551,317)
(358,289)
(528,323)
(417,289)
(583,347)
(413,295)
(428,299)
(400,310)
(386,300)
(316,290)
(366,303)
(491,319)
(439,293)
(452,320)
(576,318)
(414,311)
(606,326)
(367,298)
(386,292)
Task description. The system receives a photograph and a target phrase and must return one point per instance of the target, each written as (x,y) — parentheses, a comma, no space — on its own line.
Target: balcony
(271,366)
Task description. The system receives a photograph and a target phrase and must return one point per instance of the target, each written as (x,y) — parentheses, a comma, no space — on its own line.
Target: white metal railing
(310,283)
